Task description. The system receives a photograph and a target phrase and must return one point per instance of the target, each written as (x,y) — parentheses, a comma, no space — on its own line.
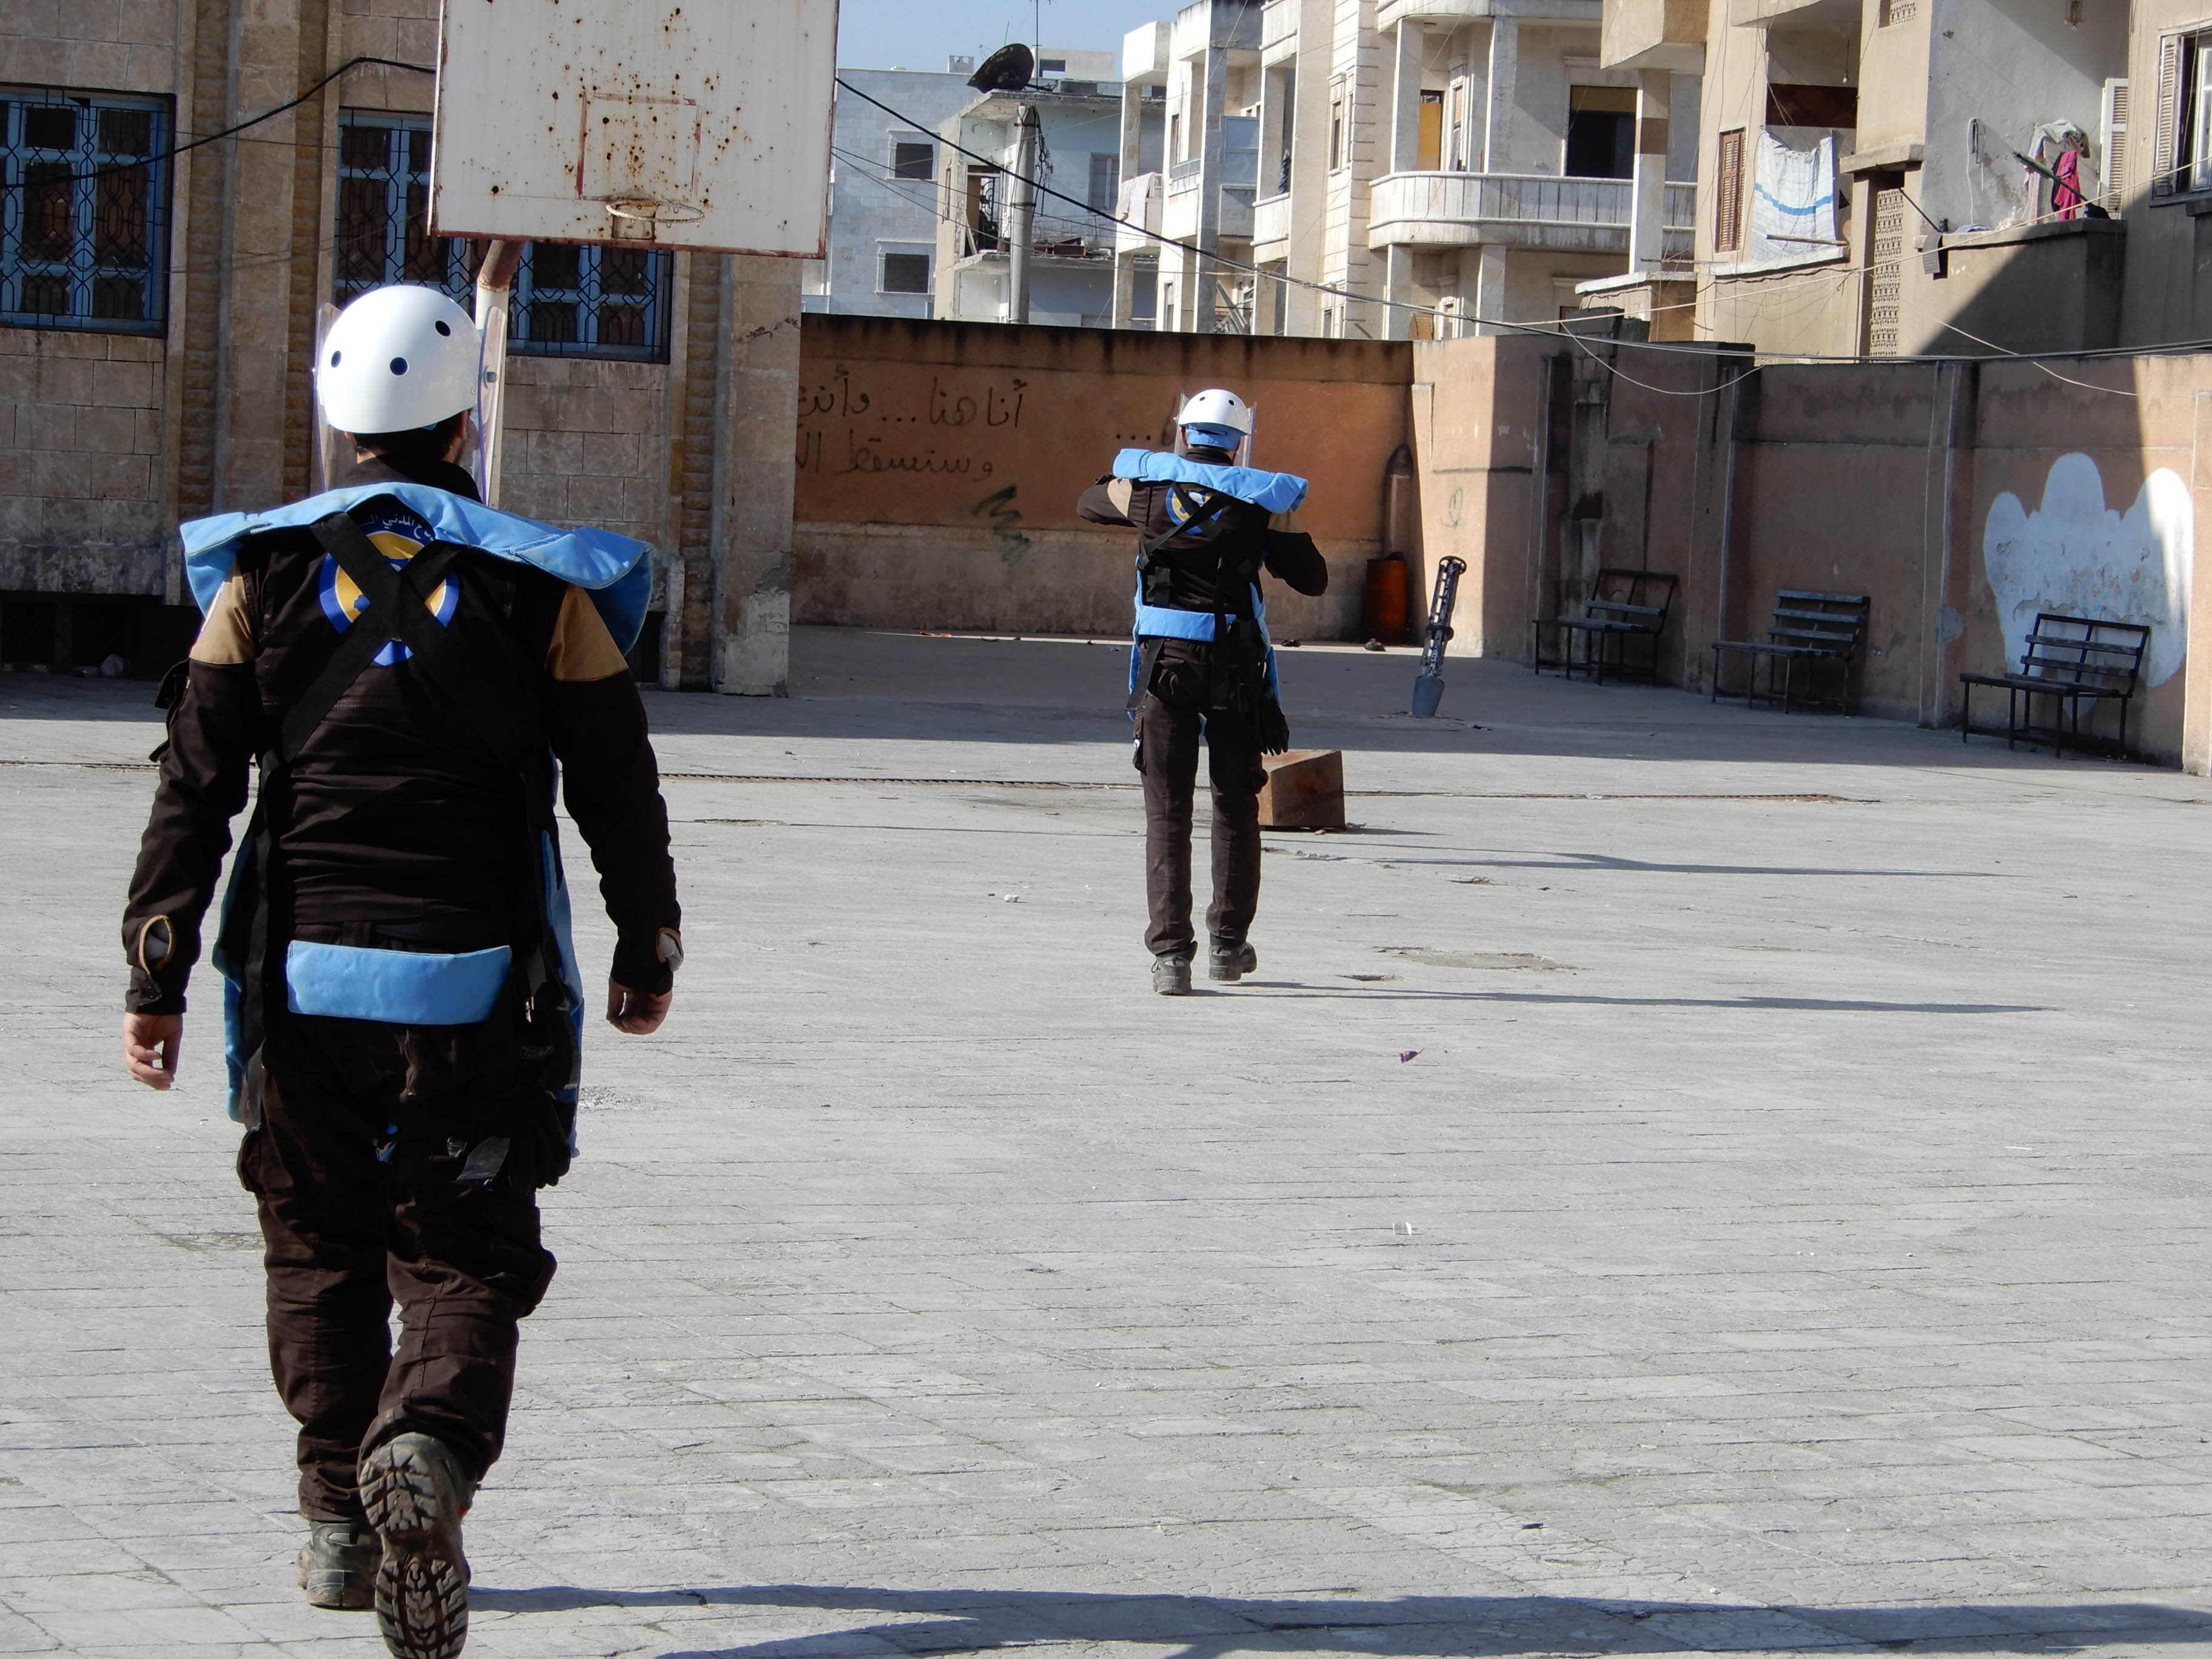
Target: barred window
(569,300)
(84,210)
(904,273)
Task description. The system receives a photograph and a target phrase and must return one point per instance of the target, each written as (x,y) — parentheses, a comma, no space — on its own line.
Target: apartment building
(1190,165)
(881,256)
(1901,177)
(1437,162)
(1071,251)
(159,307)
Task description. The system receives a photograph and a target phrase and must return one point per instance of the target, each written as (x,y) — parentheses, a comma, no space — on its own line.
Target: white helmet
(1217,407)
(398,358)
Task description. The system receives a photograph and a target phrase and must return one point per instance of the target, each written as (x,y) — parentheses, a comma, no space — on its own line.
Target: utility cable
(1217,258)
(233,131)
(1699,348)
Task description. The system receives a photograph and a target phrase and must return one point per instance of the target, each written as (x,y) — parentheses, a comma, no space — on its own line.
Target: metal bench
(2073,660)
(1815,630)
(1624,605)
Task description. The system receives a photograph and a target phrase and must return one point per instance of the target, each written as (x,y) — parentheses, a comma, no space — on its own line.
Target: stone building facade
(163,278)
(882,191)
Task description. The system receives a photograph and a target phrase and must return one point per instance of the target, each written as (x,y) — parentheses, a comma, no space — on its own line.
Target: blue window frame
(84,217)
(570,300)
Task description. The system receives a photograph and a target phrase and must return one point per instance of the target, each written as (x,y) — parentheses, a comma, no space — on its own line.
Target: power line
(233,131)
(1697,348)
(1217,258)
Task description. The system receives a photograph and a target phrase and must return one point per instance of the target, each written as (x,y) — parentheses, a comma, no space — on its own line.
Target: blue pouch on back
(397,987)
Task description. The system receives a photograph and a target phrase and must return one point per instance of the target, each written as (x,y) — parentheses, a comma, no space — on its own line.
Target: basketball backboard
(684,123)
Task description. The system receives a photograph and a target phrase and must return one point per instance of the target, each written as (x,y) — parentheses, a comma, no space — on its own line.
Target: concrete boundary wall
(940,465)
(1961,496)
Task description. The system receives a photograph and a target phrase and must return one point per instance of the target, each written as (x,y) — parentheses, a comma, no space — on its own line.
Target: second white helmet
(1217,407)
(398,358)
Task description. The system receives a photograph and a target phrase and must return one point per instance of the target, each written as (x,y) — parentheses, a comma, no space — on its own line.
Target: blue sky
(918,33)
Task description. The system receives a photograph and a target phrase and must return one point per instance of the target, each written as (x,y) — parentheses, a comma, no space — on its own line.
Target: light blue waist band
(396,987)
(1159,623)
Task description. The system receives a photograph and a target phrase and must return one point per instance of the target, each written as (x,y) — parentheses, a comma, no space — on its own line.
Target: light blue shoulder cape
(1279,492)
(613,569)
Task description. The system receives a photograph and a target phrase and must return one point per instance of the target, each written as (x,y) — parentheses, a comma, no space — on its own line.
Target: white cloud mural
(2076,555)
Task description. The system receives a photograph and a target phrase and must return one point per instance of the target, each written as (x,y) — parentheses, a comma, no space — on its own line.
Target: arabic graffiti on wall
(955,429)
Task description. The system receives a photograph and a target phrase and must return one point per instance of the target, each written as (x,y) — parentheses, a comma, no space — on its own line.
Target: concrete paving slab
(1683,1180)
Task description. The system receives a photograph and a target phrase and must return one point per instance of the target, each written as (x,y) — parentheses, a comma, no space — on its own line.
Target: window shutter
(2113,153)
(1727,202)
(2166,155)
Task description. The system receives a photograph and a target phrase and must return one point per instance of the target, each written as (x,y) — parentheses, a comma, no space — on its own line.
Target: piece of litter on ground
(1410,1054)
(1405,1230)
(1530,1526)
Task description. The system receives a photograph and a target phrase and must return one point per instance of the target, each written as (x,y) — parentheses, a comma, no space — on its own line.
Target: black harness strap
(1195,516)
(398,609)
(389,593)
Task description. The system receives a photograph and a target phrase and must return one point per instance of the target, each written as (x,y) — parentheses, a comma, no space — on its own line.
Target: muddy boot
(1227,963)
(337,1564)
(1171,976)
(416,1496)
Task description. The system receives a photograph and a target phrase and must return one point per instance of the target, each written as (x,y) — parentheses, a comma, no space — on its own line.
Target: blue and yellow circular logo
(399,538)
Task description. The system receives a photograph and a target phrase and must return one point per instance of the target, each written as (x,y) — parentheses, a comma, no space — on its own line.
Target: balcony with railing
(1450,13)
(1271,221)
(1517,210)
(1278,22)
(1138,203)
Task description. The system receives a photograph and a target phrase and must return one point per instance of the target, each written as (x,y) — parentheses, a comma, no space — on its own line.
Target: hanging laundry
(1793,201)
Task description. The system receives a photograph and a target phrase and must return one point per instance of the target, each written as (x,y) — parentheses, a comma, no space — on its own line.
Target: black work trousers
(348,1234)
(1170,719)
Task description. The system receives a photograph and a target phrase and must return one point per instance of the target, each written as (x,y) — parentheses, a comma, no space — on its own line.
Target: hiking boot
(337,1564)
(1227,963)
(416,1495)
(1171,976)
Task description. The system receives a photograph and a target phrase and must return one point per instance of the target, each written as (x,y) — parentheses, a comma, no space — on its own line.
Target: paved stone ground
(1683,1180)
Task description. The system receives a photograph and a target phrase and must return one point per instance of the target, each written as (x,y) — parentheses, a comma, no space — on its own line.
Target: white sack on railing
(1793,199)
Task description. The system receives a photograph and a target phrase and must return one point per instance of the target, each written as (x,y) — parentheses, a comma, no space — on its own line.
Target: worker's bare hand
(633,1012)
(150,1046)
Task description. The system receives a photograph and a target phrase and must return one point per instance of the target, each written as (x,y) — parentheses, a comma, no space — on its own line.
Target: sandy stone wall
(940,465)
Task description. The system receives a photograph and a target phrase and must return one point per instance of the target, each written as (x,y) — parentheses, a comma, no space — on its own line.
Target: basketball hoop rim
(650,210)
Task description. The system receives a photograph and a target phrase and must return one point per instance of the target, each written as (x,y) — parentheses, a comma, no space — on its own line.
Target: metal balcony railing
(1443,208)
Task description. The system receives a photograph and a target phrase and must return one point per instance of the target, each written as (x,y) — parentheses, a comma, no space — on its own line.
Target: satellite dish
(1007,70)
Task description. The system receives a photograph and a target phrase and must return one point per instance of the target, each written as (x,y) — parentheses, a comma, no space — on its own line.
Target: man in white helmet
(403,665)
(1201,663)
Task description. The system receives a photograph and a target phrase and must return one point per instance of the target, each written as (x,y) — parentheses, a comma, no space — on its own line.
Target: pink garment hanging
(2066,194)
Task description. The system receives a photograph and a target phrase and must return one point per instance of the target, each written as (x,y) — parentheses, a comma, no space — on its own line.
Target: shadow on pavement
(856,682)
(1199,1627)
(1293,990)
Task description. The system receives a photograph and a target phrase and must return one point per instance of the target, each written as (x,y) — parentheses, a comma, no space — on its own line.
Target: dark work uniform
(397,830)
(1185,696)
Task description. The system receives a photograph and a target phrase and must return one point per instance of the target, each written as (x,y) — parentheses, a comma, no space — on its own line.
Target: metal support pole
(495,277)
(1021,216)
